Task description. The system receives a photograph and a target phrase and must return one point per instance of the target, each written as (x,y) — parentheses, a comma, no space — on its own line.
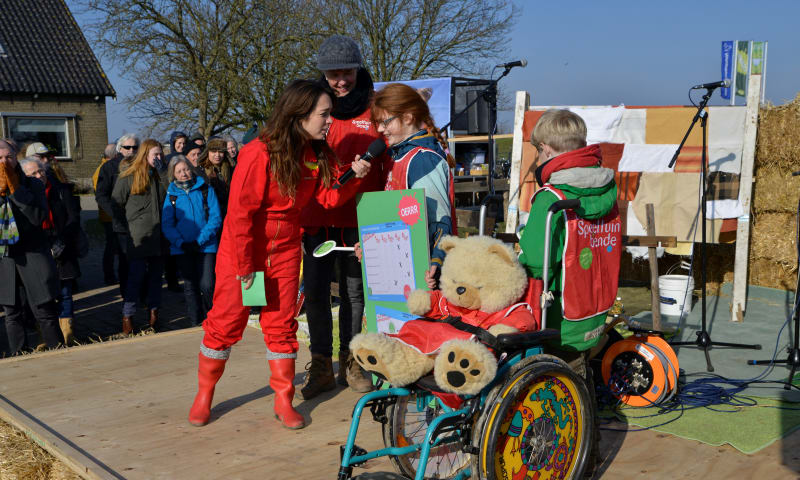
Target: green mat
(747,429)
(766,313)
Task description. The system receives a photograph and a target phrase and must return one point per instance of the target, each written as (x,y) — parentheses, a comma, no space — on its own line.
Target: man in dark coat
(126,149)
(27,269)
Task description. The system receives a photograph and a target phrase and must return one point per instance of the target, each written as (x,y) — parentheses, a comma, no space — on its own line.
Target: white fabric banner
(728,208)
(601,122)
(643,157)
(725,138)
(631,127)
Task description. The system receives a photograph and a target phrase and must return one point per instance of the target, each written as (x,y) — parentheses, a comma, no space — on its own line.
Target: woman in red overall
(276,175)
(417,149)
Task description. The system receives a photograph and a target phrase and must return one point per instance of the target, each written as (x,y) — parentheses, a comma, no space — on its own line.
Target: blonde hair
(561,129)
(140,169)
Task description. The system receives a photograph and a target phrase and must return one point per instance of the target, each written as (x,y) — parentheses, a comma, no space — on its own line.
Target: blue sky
(619,52)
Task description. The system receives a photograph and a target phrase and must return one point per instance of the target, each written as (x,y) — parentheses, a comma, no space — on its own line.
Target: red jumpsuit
(262,233)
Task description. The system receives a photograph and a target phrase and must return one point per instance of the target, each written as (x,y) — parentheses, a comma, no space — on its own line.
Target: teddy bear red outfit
(428,337)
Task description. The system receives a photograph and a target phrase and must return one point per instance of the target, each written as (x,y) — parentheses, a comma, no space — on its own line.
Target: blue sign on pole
(727,67)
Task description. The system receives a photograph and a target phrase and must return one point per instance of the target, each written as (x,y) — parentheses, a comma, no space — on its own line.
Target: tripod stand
(703,338)
(794,351)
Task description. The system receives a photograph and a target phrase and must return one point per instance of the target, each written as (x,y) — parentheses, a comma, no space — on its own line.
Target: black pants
(122,271)
(170,270)
(317,276)
(197,270)
(46,316)
(110,251)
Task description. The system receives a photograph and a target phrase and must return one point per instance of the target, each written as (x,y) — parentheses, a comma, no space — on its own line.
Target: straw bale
(22,459)
(773,238)
(778,141)
(769,273)
(775,191)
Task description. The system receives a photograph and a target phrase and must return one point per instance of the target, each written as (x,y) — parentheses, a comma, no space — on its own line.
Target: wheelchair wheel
(539,423)
(407,425)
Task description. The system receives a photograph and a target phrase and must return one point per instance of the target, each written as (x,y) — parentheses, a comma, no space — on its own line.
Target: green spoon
(327,247)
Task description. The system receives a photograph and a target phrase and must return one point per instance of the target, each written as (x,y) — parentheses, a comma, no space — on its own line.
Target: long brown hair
(399,99)
(286,139)
(140,169)
(224,166)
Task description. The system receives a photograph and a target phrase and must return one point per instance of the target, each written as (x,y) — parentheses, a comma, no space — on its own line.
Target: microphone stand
(490,95)
(703,338)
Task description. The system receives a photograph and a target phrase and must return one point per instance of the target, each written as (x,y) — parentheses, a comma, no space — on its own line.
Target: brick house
(52,87)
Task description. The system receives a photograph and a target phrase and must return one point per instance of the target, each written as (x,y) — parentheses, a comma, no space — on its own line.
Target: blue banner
(439,100)
(727,67)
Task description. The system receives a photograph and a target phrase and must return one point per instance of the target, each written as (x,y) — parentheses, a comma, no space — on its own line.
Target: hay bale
(22,459)
(775,190)
(778,142)
(773,238)
(769,273)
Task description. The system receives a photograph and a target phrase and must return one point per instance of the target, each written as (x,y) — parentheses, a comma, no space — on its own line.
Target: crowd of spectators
(161,217)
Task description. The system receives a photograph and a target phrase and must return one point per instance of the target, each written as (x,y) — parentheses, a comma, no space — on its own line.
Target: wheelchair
(534,420)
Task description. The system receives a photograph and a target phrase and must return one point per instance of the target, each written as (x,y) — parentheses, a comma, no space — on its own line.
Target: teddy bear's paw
(366,348)
(419,302)
(500,329)
(389,359)
(464,367)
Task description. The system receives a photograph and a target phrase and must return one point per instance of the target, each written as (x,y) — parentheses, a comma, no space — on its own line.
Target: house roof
(43,50)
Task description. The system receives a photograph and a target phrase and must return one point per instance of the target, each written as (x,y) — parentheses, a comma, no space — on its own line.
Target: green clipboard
(256,295)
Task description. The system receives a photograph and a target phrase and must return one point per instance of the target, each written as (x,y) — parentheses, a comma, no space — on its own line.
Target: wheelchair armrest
(518,340)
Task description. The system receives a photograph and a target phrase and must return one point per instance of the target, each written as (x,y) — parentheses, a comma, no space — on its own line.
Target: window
(52,131)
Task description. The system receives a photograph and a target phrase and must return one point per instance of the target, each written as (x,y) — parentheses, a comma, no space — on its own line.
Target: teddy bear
(481,282)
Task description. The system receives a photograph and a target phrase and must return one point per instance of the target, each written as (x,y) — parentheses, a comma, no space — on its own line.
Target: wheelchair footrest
(356,452)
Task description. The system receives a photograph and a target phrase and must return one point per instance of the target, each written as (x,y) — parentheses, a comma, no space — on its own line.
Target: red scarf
(583,157)
(48,223)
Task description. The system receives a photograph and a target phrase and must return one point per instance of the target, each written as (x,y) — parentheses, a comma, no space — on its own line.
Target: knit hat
(189,147)
(338,52)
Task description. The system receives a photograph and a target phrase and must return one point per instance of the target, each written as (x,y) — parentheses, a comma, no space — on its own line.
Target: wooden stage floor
(118,410)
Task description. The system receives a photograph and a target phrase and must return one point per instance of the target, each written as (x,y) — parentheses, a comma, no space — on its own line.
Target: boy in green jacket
(566,167)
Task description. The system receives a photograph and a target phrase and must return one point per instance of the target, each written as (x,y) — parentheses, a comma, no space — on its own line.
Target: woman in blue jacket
(191,221)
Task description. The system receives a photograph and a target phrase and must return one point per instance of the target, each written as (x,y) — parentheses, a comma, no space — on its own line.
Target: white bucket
(675,292)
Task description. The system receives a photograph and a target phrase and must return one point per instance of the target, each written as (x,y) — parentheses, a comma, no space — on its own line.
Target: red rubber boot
(282,376)
(209,371)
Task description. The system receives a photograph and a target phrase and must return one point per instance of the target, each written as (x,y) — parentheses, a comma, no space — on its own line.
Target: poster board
(393,231)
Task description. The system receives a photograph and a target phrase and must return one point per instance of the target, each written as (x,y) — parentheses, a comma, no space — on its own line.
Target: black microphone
(516,63)
(375,149)
(722,83)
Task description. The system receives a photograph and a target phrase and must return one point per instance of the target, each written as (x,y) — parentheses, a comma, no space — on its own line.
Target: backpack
(174,198)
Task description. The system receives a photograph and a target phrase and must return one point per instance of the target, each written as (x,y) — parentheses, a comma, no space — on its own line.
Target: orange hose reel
(641,370)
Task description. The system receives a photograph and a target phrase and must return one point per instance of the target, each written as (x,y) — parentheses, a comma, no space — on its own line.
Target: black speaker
(478,114)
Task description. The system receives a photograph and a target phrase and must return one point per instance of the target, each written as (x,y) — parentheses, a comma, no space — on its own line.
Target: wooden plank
(124,405)
(75,458)
(500,185)
(512,214)
(649,241)
(478,138)
(739,302)
(655,297)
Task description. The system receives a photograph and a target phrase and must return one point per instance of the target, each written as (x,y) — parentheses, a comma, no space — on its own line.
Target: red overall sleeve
(330,197)
(247,195)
